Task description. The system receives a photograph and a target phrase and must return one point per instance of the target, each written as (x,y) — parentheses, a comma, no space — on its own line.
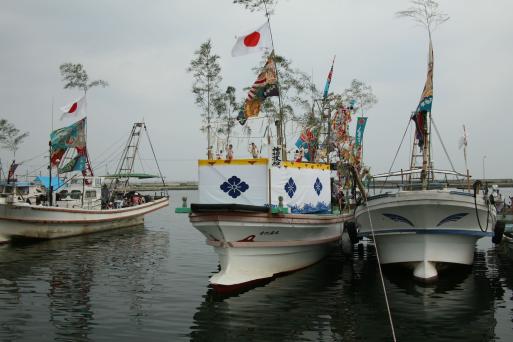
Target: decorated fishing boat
(425,224)
(81,203)
(267,216)
(263,220)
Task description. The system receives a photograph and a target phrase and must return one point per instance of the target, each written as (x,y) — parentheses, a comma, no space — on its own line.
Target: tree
(231,107)
(75,76)
(11,137)
(255,5)
(206,73)
(360,95)
(426,13)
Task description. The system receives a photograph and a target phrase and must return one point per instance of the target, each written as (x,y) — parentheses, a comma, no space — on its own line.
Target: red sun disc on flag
(251,40)
(73,107)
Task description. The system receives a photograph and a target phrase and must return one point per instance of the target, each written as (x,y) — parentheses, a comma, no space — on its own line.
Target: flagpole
(465,156)
(324,107)
(52,114)
(280,122)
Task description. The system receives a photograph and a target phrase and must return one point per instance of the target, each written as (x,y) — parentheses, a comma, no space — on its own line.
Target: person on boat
(253,150)
(105,195)
(136,199)
(341,198)
(210,156)
(229,152)
(298,157)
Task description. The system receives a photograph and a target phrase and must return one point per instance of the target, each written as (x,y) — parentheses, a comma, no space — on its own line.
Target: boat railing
(385,195)
(418,186)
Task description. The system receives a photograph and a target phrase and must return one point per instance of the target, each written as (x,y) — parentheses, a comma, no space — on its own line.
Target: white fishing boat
(264,220)
(425,224)
(75,207)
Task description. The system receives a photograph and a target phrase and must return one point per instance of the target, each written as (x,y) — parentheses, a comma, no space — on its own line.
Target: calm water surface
(151,283)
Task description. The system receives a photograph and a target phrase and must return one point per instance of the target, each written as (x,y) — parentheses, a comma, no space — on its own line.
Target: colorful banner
(70,136)
(308,141)
(266,85)
(78,163)
(360,128)
(328,80)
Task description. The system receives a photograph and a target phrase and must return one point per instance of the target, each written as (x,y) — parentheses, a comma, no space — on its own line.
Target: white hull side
(425,226)
(38,222)
(258,246)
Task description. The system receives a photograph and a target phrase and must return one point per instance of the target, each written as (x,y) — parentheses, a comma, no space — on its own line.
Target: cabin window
(63,194)
(90,194)
(75,194)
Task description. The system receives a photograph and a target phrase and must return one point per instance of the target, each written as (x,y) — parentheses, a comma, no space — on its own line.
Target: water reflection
(54,281)
(341,299)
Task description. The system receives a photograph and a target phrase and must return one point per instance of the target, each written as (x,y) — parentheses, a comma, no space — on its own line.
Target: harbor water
(151,283)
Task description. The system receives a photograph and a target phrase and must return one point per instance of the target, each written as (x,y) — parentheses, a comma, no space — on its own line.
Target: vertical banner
(360,128)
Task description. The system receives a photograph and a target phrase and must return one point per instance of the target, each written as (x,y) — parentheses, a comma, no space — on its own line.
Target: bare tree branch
(426,13)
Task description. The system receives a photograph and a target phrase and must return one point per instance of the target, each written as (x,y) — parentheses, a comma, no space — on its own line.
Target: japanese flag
(255,41)
(74,109)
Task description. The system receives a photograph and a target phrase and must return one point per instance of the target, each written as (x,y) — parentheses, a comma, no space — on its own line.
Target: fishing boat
(81,203)
(264,220)
(425,224)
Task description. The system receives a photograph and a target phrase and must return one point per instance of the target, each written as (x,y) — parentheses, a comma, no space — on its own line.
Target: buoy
(425,271)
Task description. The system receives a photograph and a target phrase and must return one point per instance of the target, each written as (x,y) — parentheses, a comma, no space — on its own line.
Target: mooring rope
(381,275)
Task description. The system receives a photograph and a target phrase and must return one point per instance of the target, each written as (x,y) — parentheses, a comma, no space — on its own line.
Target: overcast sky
(142,48)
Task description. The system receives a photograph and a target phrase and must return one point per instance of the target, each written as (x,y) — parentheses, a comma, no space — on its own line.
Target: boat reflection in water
(341,299)
(63,289)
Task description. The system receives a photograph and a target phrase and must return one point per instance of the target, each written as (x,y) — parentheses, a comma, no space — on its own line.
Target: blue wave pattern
(311,208)
(399,218)
(452,218)
(234,186)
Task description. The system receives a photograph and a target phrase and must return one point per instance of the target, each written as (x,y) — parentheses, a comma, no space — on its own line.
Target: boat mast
(426,153)
(465,156)
(50,195)
(280,125)
(127,160)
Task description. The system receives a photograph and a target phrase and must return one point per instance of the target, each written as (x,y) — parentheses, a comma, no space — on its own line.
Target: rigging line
(116,143)
(154,156)
(396,153)
(381,274)
(32,158)
(110,157)
(443,146)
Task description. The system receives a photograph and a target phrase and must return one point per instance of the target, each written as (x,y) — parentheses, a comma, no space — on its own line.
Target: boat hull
(255,246)
(39,222)
(431,226)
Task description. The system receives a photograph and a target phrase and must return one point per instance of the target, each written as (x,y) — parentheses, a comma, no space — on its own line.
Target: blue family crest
(234,186)
(318,186)
(290,187)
